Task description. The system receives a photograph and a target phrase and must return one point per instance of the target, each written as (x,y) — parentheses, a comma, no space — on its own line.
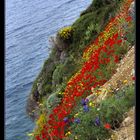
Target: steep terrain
(124,76)
(66,55)
(85,92)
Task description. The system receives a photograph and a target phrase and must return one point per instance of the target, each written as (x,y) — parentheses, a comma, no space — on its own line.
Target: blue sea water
(29,24)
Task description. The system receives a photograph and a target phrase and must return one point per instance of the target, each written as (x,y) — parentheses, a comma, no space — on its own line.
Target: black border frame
(137,66)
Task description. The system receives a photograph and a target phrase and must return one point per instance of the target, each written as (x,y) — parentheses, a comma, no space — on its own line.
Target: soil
(127,129)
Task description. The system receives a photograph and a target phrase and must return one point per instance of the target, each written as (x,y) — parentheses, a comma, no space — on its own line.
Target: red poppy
(133,78)
(119,41)
(107,126)
(38,138)
(44,135)
(96,41)
(115,36)
(128,18)
(116,59)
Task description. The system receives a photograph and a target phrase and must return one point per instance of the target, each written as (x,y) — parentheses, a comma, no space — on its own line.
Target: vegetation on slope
(98,120)
(55,74)
(98,65)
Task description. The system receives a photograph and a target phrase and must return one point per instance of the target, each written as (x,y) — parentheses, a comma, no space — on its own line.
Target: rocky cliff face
(59,56)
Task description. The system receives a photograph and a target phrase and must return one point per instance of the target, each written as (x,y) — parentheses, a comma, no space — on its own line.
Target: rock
(39,87)
(127,129)
(127,121)
(36,95)
(57,42)
(63,56)
(31,108)
(91,97)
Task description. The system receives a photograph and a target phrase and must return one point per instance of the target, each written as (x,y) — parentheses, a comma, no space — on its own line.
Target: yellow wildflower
(68,133)
(104,90)
(60,93)
(98,92)
(81,84)
(125,81)
(113,137)
(41,120)
(65,33)
(76,115)
(76,138)
(110,91)
(30,134)
(91,104)
(40,104)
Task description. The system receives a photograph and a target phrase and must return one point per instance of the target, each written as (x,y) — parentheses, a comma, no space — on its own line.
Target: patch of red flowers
(133,78)
(129,18)
(107,126)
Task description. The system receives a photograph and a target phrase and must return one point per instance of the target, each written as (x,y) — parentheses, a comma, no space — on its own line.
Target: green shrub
(130,36)
(47,88)
(92,29)
(81,25)
(57,76)
(96,4)
(63,72)
(52,101)
(89,25)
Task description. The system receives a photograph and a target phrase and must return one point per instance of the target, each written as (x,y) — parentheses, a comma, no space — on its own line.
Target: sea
(28,26)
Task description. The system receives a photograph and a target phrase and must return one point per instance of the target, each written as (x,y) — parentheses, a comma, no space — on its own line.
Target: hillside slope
(90,90)
(66,55)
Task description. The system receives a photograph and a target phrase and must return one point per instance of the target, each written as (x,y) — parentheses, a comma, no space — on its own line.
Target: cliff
(72,97)
(65,57)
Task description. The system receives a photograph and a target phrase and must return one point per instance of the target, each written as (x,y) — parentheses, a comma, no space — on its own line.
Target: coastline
(65,60)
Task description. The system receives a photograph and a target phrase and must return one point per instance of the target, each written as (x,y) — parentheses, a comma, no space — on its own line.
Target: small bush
(57,76)
(130,36)
(42,120)
(96,4)
(66,33)
(91,30)
(39,123)
(52,101)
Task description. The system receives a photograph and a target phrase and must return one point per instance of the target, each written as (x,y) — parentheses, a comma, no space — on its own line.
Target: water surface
(29,24)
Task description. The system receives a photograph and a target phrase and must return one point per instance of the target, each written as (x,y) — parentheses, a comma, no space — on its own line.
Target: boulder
(63,56)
